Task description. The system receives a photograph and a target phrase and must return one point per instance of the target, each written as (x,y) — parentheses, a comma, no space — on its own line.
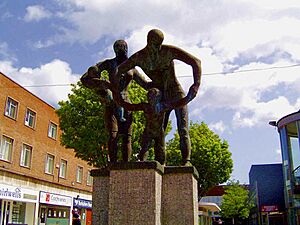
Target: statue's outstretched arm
(140,79)
(169,105)
(194,62)
(89,79)
(129,106)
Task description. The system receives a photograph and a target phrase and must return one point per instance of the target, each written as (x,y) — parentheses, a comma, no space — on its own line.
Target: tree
(210,156)
(82,123)
(236,203)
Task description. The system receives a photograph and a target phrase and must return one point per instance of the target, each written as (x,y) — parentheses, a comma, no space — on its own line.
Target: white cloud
(36,13)
(262,112)
(255,36)
(191,21)
(218,127)
(5,52)
(52,73)
(255,97)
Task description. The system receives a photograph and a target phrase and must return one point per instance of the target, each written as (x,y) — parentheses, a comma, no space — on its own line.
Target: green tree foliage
(210,156)
(82,123)
(236,203)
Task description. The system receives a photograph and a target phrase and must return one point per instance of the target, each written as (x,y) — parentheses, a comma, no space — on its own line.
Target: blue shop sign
(82,203)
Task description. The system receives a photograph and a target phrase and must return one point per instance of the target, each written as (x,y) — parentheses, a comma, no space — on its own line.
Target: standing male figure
(156,60)
(115,123)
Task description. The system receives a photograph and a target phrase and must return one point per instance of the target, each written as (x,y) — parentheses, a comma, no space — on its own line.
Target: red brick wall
(36,137)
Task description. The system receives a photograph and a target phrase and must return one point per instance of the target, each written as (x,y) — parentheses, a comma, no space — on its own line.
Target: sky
(250,54)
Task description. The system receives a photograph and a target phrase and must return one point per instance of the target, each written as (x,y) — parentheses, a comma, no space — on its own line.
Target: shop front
(17,205)
(54,209)
(289,132)
(84,208)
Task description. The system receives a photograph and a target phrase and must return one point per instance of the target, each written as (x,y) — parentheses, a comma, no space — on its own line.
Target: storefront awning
(213,207)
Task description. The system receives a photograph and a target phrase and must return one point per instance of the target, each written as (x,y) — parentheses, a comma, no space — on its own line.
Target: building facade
(209,205)
(41,182)
(267,189)
(289,132)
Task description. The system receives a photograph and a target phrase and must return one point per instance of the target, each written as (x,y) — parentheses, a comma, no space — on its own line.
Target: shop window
(293,143)
(49,167)
(6,148)
(63,169)
(79,174)
(30,118)
(52,131)
(18,212)
(26,155)
(89,179)
(58,215)
(11,108)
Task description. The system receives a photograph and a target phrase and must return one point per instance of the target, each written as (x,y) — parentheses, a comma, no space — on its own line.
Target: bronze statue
(154,112)
(118,122)
(156,60)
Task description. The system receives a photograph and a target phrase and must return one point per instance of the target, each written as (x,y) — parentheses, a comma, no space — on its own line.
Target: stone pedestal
(180,196)
(100,196)
(135,193)
(145,193)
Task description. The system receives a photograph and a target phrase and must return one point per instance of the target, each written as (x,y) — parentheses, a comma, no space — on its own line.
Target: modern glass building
(289,131)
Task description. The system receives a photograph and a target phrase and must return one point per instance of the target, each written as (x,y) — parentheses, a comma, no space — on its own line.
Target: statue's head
(155,38)
(120,48)
(154,96)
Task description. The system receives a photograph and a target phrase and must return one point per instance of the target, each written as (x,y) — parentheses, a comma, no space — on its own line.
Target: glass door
(5,212)
(42,216)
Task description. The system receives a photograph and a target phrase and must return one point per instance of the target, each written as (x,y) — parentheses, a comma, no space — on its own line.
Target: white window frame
(30,118)
(6,148)
(10,105)
(52,130)
(89,178)
(26,152)
(79,174)
(48,169)
(63,172)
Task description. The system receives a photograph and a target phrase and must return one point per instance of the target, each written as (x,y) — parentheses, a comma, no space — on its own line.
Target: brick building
(40,181)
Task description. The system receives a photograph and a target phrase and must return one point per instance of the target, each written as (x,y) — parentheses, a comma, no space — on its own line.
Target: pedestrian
(76,219)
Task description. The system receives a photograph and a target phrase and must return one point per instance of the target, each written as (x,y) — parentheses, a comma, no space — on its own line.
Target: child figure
(154,128)
(106,95)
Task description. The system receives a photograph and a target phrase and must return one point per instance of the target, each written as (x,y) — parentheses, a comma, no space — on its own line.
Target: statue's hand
(193,91)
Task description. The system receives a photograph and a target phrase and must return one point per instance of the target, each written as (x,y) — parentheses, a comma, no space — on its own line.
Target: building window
(30,118)
(89,179)
(63,169)
(79,174)
(49,167)
(26,155)
(11,108)
(6,148)
(18,213)
(52,132)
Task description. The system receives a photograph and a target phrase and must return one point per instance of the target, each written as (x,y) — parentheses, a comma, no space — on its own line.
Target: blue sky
(54,42)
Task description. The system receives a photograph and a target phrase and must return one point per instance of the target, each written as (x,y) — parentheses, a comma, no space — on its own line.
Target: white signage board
(55,199)
(16,193)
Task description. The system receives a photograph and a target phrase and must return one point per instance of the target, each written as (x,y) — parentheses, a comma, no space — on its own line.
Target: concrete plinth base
(100,196)
(135,193)
(180,196)
(145,193)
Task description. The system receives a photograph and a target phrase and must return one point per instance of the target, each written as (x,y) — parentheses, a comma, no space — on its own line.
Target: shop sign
(82,203)
(17,193)
(269,208)
(55,199)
